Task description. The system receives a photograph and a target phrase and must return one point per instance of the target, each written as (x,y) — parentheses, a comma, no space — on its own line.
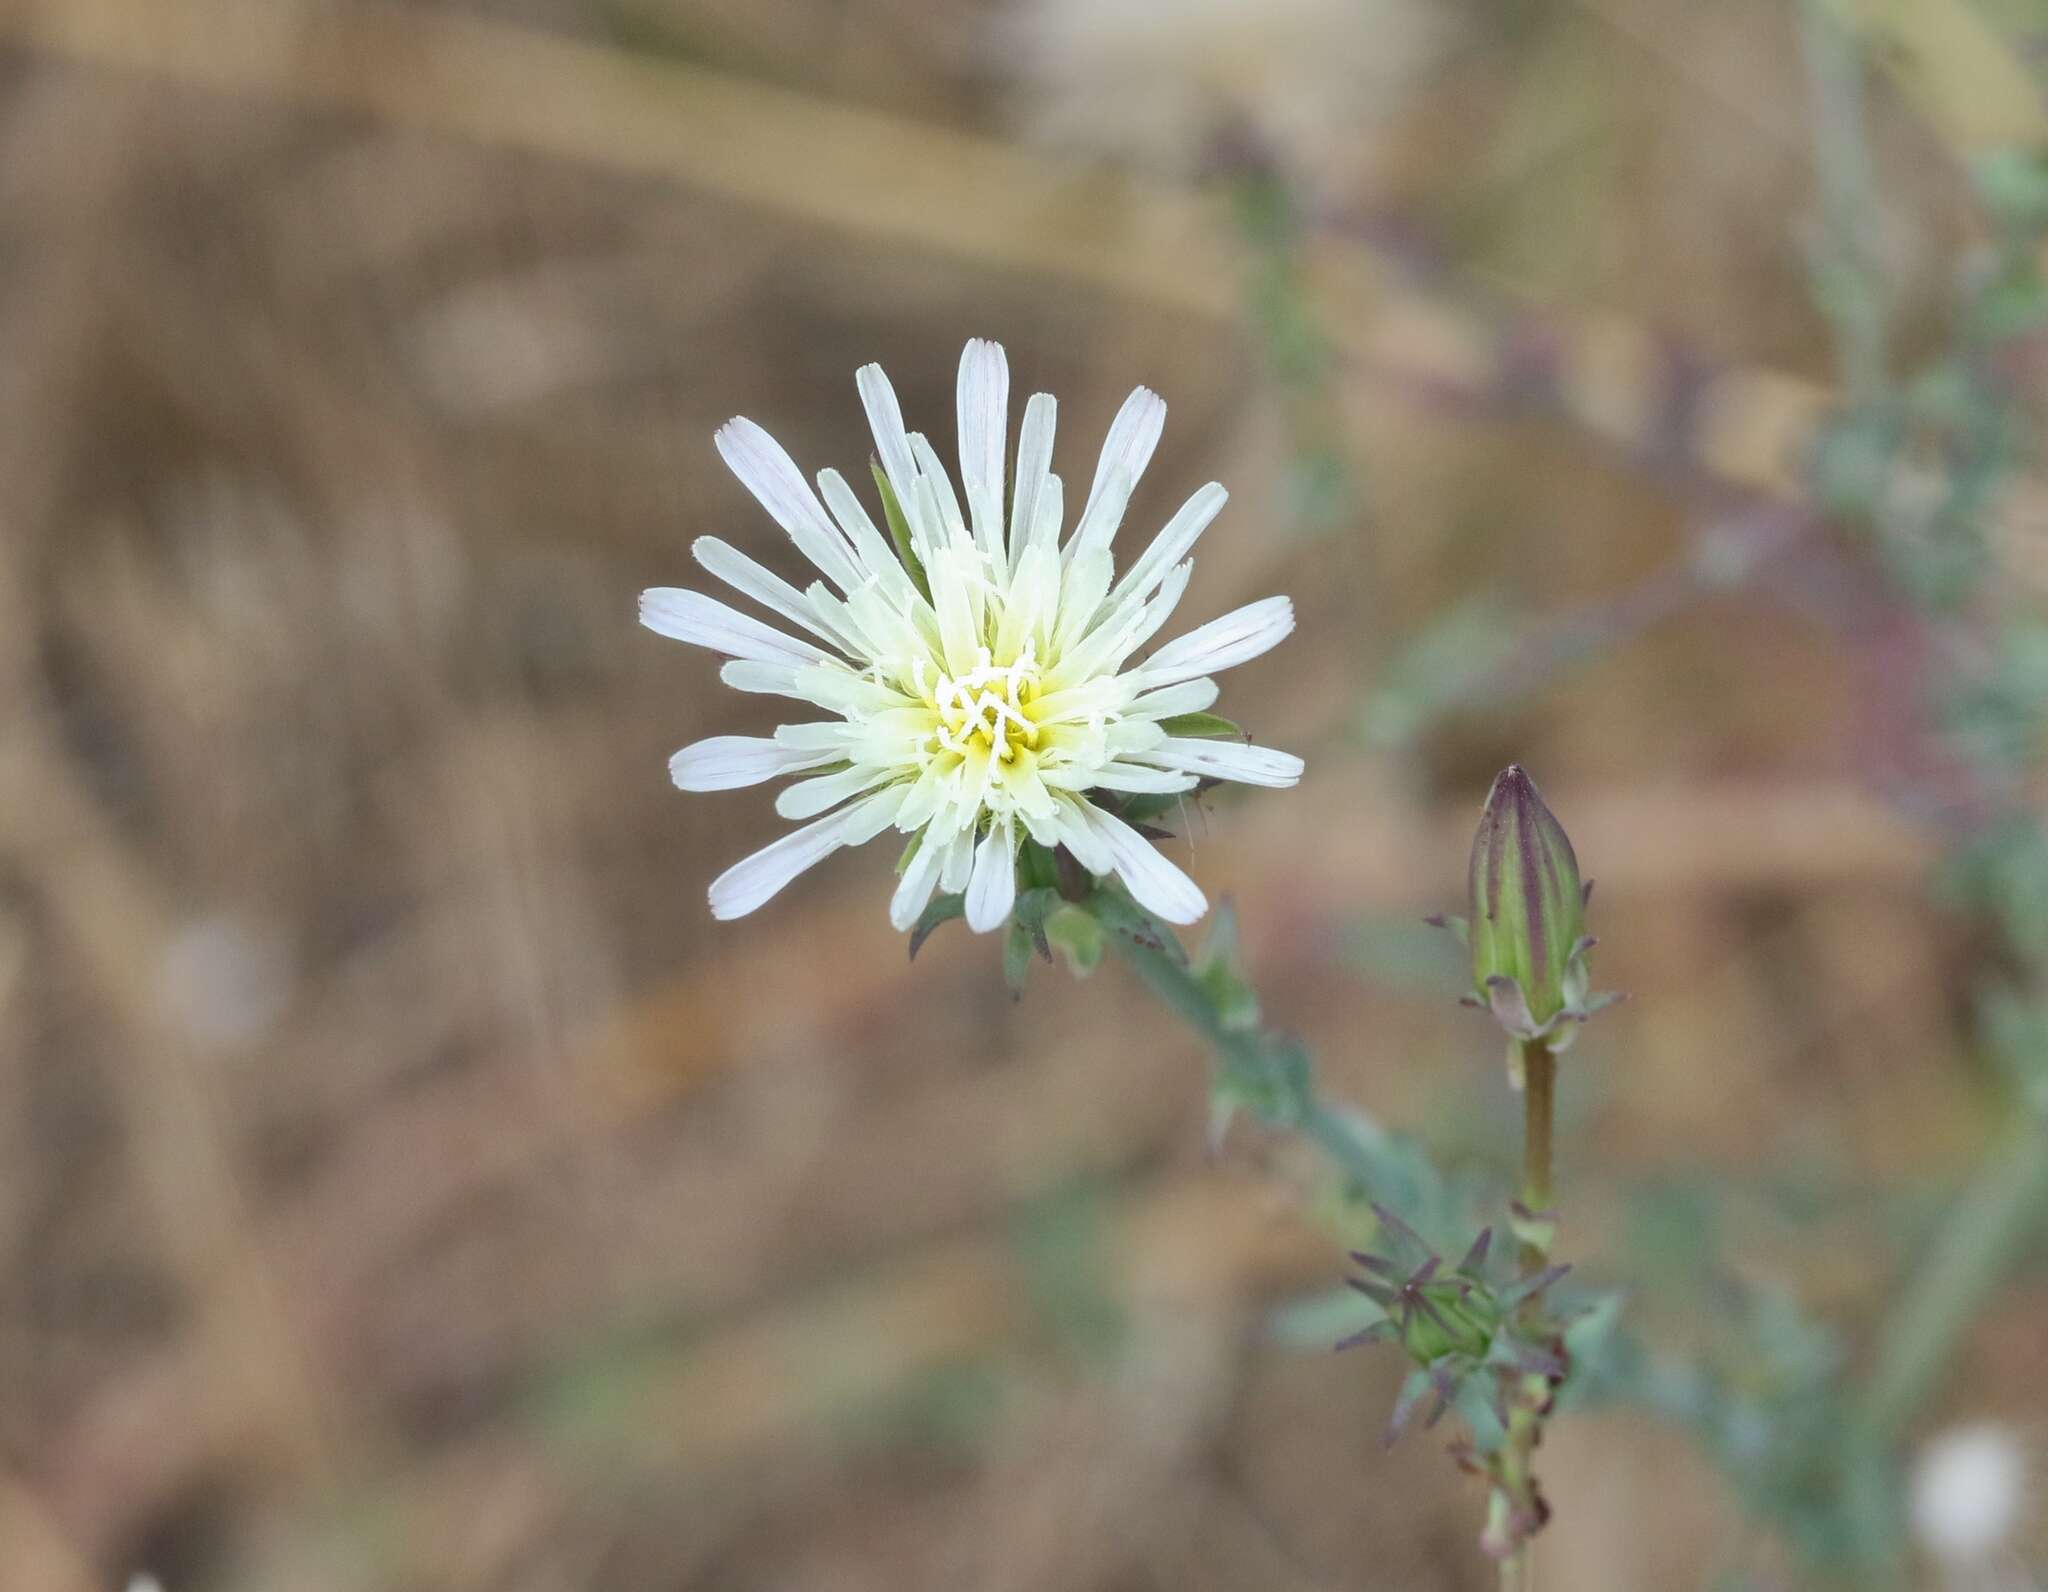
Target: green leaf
(1202,726)
(899,530)
(1220,973)
(1119,914)
(1016,957)
(943,909)
(1077,936)
(1317,1320)
(1147,805)
(1598,1350)
(2014,186)
(1035,866)
(1034,905)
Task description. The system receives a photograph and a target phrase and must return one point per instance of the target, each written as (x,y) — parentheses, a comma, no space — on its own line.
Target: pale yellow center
(988,707)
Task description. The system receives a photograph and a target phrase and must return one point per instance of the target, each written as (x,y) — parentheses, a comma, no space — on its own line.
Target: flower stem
(1539,1097)
(1525,1423)
(1262,1071)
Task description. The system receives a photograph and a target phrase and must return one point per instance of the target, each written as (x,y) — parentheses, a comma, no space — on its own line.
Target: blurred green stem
(1244,1053)
(1848,284)
(1964,1266)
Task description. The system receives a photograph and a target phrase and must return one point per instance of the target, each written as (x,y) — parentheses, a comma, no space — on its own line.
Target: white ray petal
(728,762)
(892,442)
(1034,597)
(685,615)
(1045,532)
(1130,625)
(958,866)
(1236,638)
(1159,886)
(1034,459)
(762,679)
(877,554)
(914,889)
(1078,835)
(1084,583)
(767,588)
(809,797)
(983,411)
(1158,609)
(779,486)
(749,883)
(833,687)
(952,578)
(1232,760)
(825,735)
(851,695)
(992,890)
(1125,453)
(949,526)
(1119,776)
(1175,541)
(1190,696)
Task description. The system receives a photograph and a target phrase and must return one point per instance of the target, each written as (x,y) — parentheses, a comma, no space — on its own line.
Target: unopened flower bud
(1451,1318)
(1527,930)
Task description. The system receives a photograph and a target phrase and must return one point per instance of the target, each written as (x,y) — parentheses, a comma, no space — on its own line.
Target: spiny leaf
(943,909)
(1419,1387)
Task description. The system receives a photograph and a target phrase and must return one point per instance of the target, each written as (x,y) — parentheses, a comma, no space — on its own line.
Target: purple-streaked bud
(1527,929)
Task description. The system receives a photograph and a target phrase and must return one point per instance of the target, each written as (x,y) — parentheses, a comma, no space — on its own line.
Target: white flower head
(979,690)
(1969,1492)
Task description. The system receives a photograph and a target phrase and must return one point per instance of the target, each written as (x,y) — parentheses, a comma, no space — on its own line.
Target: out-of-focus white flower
(1969,1493)
(225,980)
(1156,82)
(978,691)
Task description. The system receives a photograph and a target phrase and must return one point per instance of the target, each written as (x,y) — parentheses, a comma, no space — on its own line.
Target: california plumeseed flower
(971,669)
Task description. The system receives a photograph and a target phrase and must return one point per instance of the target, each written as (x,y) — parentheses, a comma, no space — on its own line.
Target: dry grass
(403,1184)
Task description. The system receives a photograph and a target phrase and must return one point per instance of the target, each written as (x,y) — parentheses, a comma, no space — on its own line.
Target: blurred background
(405,1184)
